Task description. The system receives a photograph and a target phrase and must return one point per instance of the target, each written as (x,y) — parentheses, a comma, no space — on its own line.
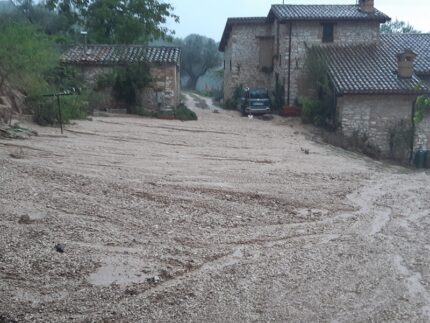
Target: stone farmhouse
(95,60)
(374,76)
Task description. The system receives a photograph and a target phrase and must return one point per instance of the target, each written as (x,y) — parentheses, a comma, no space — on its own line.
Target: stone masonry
(163,93)
(241,58)
(242,51)
(375,115)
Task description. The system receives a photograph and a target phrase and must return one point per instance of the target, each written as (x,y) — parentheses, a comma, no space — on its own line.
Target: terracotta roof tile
(324,12)
(120,55)
(372,69)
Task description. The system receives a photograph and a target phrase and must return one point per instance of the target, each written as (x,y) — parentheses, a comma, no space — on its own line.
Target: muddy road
(226,219)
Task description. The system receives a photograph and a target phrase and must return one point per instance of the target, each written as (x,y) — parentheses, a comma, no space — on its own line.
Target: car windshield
(258,94)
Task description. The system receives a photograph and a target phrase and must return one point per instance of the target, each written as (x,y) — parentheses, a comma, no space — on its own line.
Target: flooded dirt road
(226,219)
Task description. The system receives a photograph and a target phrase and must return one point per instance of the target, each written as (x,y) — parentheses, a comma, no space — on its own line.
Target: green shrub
(141,111)
(310,109)
(422,106)
(129,81)
(320,109)
(45,110)
(184,114)
(229,104)
(401,136)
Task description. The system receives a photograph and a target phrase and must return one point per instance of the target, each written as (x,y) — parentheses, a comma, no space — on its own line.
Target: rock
(153,280)
(59,247)
(25,219)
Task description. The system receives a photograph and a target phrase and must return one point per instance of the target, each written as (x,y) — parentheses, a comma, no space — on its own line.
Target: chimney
(84,34)
(367,6)
(405,63)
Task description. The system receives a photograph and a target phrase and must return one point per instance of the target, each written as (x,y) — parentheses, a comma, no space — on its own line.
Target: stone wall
(242,58)
(164,92)
(374,116)
(243,47)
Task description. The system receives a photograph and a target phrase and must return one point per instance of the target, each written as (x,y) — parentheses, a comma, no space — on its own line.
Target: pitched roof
(108,55)
(306,13)
(418,43)
(372,69)
(324,12)
(238,21)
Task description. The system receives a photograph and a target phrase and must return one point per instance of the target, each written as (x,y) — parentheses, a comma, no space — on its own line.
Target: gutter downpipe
(289,63)
(411,157)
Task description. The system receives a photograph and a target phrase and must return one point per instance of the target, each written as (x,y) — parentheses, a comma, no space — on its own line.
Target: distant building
(374,76)
(96,60)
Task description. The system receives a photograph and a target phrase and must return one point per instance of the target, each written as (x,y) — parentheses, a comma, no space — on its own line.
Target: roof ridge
(131,45)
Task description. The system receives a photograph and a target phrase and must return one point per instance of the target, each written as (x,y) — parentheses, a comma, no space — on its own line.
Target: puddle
(121,271)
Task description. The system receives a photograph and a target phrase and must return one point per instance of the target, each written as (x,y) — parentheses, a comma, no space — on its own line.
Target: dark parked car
(254,101)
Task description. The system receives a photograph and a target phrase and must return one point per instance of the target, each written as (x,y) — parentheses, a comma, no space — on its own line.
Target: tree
(26,56)
(118,21)
(199,54)
(37,14)
(398,27)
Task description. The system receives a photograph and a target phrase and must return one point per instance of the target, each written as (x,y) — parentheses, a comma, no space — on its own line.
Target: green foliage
(117,21)
(310,109)
(231,104)
(398,27)
(37,14)
(321,109)
(180,113)
(105,81)
(184,114)
(141,111)
(421,107)
(401,136)
(26,57)
(45,110)
(128,83)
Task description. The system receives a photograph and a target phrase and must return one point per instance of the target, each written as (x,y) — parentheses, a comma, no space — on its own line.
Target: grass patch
(180,113)
(184,114)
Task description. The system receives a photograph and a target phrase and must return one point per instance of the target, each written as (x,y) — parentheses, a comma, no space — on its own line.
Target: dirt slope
(221,220)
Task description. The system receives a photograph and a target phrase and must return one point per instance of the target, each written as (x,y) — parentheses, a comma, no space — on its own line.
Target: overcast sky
(208,17)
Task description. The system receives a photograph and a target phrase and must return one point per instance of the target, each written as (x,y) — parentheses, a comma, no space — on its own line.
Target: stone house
(374,76)
(95,60)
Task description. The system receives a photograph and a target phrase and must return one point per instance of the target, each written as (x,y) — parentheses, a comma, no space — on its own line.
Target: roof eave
(380,92)
(285,20)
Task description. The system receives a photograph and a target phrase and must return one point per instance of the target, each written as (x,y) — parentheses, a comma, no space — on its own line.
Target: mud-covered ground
(227,219)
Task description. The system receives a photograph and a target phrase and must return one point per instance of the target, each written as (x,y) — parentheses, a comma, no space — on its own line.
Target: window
(328,33)
(266,52)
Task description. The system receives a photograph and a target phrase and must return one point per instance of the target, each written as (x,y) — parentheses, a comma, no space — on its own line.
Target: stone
(25,219)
